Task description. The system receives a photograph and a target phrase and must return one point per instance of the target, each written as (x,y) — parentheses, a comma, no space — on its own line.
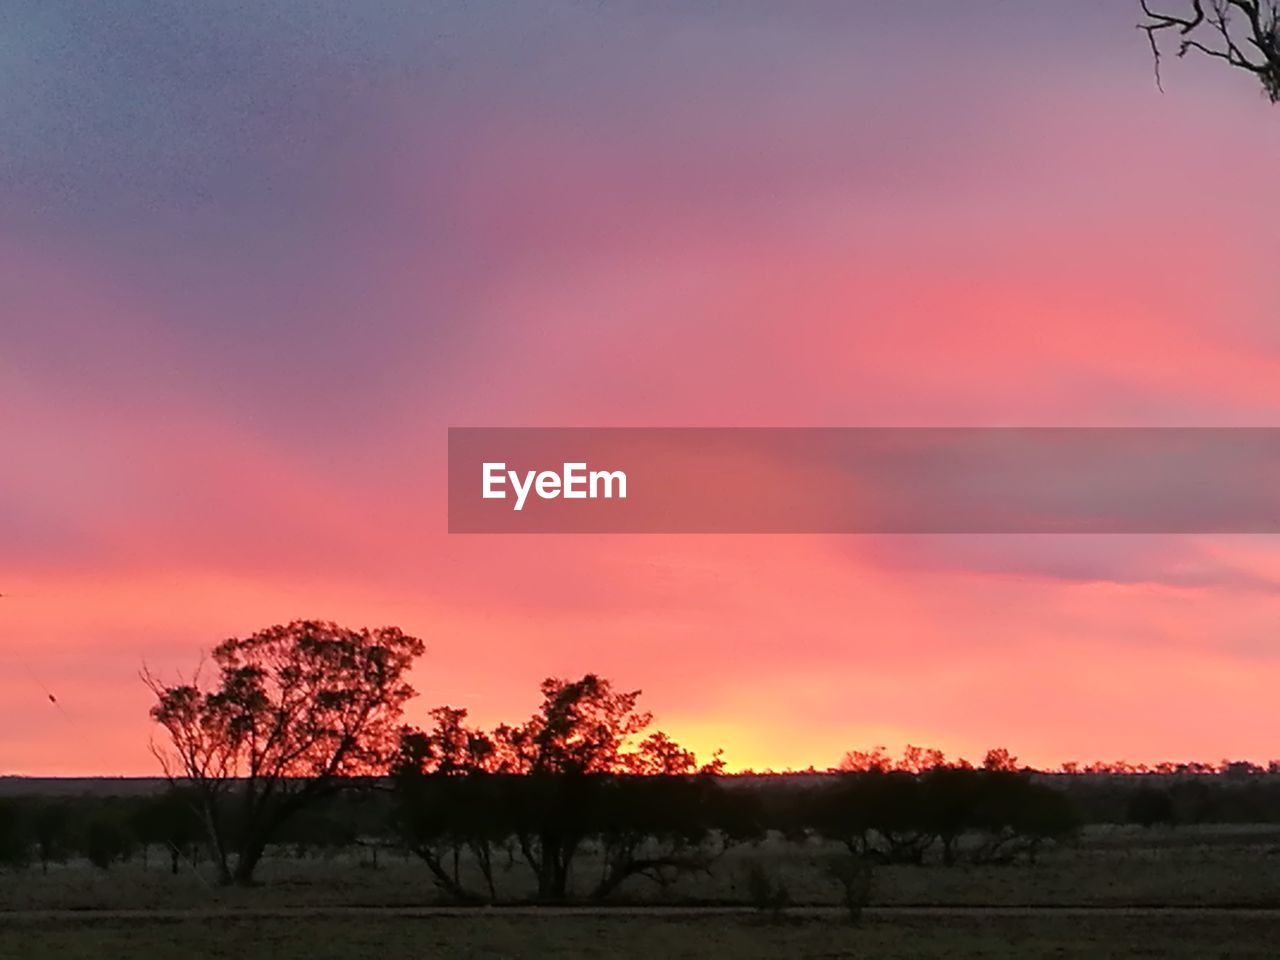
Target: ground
(1118,892)
(619,937)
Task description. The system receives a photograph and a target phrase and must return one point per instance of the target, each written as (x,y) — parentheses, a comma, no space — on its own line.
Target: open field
(1114,892)
(626,936)
(1214,866)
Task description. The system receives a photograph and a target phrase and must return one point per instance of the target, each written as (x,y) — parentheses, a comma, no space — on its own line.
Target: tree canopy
(292,713)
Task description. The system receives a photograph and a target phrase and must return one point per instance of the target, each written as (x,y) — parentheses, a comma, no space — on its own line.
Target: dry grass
(1224,867)
(1228,866)
(623,937)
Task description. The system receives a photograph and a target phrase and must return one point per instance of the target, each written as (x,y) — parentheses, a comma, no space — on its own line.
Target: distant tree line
(42,831)
(297,745)
(470,829)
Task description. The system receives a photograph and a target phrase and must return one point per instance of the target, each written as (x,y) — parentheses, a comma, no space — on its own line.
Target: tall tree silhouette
(294,713)
(580,732)
(582,727)
(584,766)
(449,803)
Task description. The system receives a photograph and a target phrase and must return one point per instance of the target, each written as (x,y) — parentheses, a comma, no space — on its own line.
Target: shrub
(15,845)
(767,893)
(106,842)
(854,876)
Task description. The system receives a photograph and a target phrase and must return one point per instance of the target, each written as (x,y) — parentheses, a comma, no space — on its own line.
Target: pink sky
(250,273)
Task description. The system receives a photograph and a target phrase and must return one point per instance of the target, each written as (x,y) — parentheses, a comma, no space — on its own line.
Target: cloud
(258,256)
(1176,562)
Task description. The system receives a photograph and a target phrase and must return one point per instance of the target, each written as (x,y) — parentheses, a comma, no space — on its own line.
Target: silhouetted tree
(901,811)
(855,876)
(1242,33)
(169,820)
(450,802)
(15,844)
(293,714)
(876,813)
(950,798)
(766,891)
(999,758)
(106,840)
(324,828)
(913,760)
(582,727)
(861,761)
(566,753)
(659,827)
(895,802)
(1149,806)
(584,767)
(1015,816)
(51,830)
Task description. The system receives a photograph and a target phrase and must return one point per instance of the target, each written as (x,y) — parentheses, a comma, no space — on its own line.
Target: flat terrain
(1116,892)
(620,937)
(1211,866)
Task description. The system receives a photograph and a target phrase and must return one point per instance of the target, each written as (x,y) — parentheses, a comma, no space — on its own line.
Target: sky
(257,257)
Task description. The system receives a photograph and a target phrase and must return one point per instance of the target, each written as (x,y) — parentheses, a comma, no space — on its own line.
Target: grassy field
(1190,866)
(1115,885)
(644,938)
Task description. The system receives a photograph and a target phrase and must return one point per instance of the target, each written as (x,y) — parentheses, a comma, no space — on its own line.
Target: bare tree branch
(1243,33)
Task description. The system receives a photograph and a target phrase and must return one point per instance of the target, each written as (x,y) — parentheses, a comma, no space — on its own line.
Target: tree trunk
(217,847)
(949,851)
(443,880)
(247,863)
